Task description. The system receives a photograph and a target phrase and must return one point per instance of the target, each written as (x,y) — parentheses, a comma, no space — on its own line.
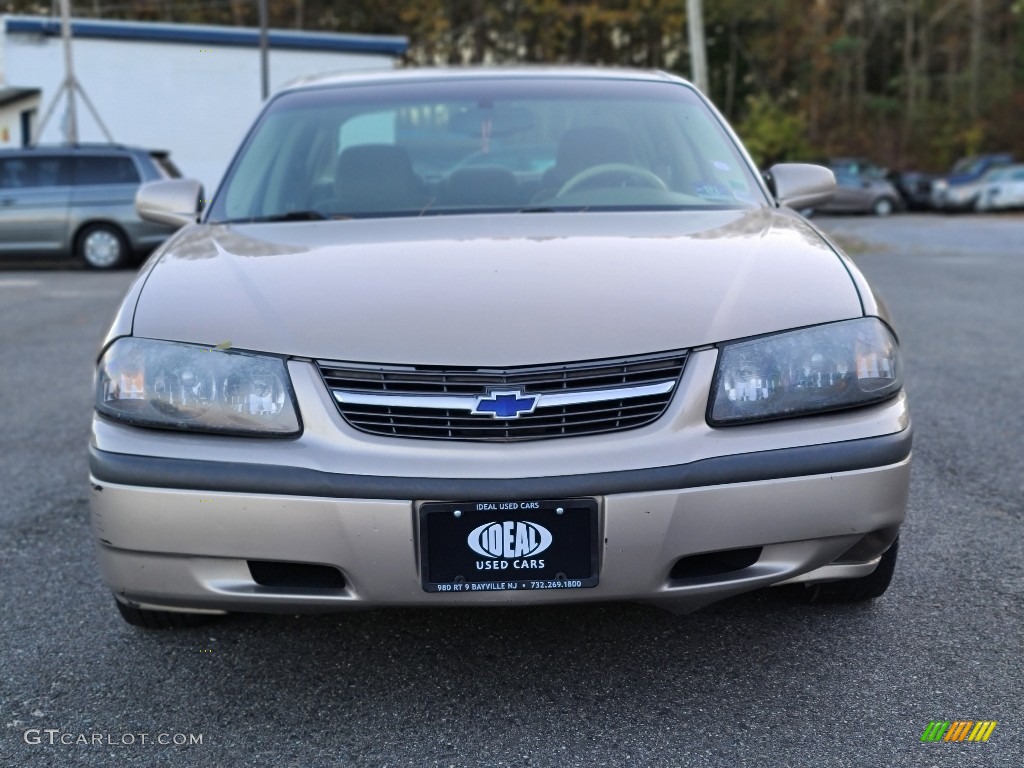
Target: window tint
(26,172)
(105,170)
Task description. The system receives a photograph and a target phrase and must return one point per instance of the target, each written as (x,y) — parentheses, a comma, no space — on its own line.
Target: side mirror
(800,185)
(173,201)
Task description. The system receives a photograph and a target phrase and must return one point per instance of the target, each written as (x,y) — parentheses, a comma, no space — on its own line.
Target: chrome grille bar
(565,400)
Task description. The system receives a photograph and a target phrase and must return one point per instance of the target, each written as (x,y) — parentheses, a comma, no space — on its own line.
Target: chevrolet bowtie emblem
(505,404)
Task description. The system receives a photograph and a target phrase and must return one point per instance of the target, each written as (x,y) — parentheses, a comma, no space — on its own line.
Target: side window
(29,172)
(53,172)
(845,179)
(99,169)
(13,173)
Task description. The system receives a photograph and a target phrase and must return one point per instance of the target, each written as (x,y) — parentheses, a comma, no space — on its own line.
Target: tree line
(907,83)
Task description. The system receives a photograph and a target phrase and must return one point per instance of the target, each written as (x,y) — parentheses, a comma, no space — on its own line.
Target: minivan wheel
(102,246)
(883,206)
(856,590)
(151,619)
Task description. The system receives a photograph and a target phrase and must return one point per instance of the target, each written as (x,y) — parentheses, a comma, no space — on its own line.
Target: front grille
(620,393)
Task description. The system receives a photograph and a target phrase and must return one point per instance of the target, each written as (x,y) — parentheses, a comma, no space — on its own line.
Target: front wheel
(102,246)
(883,206)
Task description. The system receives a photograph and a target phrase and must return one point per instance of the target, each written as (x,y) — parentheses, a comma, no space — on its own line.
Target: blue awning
(247,37)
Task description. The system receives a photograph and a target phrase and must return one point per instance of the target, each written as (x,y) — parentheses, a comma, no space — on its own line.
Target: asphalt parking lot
(753,681)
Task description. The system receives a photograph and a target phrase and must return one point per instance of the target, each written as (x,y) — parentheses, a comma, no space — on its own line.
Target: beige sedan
(377,371)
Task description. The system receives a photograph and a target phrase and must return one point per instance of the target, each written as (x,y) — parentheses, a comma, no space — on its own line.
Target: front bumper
(176,533)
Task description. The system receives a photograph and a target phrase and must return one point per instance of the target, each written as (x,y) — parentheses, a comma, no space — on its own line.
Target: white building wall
(195,100)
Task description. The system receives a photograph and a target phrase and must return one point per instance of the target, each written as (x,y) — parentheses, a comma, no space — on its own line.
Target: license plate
(508,545)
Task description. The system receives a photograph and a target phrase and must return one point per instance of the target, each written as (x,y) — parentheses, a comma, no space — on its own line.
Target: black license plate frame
(504,555)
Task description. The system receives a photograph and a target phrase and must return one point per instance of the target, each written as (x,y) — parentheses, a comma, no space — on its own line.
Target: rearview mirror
(173,201)
(801,185)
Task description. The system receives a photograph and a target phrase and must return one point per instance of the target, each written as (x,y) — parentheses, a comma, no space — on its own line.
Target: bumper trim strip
(235,477)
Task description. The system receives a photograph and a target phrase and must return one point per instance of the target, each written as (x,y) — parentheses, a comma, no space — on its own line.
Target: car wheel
(883,206)
(102,246)
(152,619)
(856,590)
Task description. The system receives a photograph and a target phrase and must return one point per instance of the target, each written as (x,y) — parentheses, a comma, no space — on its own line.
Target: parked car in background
(967,196)
(79,201)
(1003,189)
(957,190)
(915,188)
(861,187)
(372,372)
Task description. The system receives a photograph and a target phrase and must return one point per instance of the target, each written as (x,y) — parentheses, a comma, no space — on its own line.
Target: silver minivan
(79,200)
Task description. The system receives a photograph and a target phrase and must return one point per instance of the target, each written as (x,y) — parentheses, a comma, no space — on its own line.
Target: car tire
(856,590)
(147,618)
(102,246)
(883,206)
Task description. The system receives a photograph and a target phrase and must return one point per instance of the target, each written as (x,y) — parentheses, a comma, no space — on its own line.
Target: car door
(35,194)
(104,188)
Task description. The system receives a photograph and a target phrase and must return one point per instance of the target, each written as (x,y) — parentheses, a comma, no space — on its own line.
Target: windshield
(483,145)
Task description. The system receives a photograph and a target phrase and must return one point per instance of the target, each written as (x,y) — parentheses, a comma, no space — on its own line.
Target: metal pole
(264,65)
(92,110)
(41,125)
(71,129)
(698,49)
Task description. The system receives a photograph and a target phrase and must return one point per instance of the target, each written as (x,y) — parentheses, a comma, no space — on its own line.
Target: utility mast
(698,49)
(69,88)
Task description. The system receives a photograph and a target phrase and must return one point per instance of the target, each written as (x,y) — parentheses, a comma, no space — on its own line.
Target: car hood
(494,289)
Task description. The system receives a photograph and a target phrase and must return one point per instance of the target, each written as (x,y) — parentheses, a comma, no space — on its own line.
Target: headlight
(825,368)
(181,386)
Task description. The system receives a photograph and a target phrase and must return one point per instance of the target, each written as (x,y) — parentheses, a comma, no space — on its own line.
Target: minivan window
(101,169)
(26,172)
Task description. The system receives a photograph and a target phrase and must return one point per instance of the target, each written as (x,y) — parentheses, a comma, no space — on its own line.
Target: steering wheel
(610,169)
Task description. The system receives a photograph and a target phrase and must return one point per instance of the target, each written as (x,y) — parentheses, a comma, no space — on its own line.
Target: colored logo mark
(958,730)
(505,405)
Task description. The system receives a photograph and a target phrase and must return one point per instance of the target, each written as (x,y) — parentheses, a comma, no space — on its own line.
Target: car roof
(82,147)
(434,74)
